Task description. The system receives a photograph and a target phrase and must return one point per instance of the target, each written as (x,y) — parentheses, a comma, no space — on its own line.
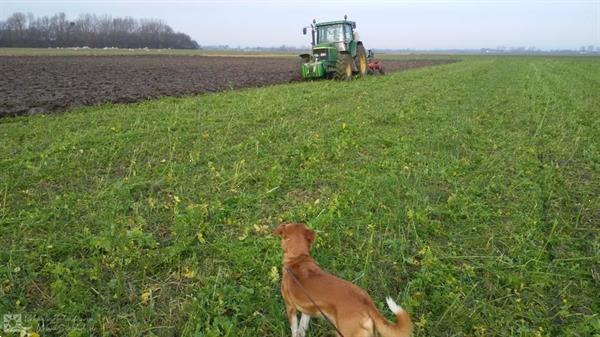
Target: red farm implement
(375,66)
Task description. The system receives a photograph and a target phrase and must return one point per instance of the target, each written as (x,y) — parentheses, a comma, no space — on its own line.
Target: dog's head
(296,238)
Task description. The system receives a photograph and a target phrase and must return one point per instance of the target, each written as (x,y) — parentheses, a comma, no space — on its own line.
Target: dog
(307,288)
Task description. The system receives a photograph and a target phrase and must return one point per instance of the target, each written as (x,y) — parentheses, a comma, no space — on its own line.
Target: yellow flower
(422,322)
(274,274)
(260,229)
(146,296)
(187,273)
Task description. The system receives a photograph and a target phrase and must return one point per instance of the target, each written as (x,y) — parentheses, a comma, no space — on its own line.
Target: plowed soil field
(37,84)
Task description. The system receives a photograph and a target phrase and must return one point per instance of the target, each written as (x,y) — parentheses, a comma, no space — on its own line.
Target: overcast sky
(382,24)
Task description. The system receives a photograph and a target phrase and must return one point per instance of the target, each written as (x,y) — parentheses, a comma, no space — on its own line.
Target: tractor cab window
(330,33)
(348,32)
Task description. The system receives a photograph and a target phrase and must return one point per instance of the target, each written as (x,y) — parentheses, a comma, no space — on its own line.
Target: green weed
(468,192)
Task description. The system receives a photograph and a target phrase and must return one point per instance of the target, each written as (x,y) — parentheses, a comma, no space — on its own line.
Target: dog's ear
(278,231)
(309,235)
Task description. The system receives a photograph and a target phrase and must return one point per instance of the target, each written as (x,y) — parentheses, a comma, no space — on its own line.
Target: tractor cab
(336,51)
(337,34)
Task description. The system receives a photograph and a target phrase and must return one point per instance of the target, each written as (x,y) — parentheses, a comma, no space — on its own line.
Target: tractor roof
(333,23)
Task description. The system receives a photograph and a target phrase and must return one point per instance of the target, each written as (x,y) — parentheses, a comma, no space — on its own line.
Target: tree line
(26,30)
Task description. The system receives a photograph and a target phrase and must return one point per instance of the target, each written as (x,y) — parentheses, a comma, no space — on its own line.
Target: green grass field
(469,192)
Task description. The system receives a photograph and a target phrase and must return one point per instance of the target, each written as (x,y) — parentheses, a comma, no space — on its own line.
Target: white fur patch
(395,308)
(303,325)
(294,326)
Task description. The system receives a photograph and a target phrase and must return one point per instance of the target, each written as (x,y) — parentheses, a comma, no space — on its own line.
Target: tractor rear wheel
(361,60)
(343,67)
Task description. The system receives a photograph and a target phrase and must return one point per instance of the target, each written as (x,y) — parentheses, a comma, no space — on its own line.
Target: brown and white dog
(347,306)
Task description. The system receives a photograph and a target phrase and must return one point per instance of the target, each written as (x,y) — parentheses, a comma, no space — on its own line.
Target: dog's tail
(403,326)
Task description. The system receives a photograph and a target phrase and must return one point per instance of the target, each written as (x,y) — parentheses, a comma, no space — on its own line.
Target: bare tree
(21,30)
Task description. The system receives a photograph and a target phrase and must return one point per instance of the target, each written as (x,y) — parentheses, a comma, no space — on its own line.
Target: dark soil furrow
(33,85)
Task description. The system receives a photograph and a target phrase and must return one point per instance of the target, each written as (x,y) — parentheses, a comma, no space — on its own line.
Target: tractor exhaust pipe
(312,31)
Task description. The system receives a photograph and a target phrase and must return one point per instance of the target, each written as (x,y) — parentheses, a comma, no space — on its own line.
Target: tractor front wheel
(361,60)
(343,67)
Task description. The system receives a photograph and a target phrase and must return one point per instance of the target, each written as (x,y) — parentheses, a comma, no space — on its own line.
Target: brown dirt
(36,84)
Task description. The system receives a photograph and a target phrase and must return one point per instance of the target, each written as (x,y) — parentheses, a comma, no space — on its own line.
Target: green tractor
(337,51)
